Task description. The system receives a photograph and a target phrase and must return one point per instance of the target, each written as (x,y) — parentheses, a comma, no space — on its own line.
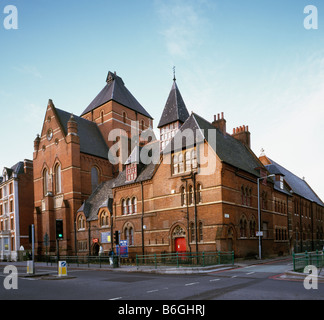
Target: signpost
(122,249)
(62,269)
(31,264)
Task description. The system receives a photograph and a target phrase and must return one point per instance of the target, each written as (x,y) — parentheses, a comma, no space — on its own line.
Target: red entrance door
(180,244)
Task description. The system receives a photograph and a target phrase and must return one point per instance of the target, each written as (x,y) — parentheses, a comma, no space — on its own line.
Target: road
(250,282)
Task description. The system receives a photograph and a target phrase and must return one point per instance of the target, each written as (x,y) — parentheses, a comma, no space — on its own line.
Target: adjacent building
(16,209)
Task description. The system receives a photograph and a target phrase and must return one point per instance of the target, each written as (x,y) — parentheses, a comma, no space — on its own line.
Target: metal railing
(301,260)
(186,259)
(98,261)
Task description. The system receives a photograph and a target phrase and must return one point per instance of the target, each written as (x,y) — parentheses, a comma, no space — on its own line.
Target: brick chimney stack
(72,131)
(242,134)
(220,122)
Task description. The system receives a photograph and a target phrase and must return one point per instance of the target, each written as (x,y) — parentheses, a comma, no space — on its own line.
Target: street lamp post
(259,211)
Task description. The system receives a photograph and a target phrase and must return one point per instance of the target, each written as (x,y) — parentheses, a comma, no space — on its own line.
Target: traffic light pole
(57,250)
(33,247)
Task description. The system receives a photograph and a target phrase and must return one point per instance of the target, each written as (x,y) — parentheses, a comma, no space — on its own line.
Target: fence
(301,260)
(80,260)
(186,259)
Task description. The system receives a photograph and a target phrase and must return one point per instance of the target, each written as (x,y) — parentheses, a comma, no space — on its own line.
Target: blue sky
(252,60)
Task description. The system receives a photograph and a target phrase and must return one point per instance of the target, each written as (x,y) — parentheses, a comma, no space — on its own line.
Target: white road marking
(151,291)
(250,273)
(116,298)
(214,280)
(191,284)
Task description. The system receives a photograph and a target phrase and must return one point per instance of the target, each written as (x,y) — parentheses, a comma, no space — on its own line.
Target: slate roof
(175,108)
(98,199)
(115,90)
(91,140)
(227,148)
(298,185)
(18,168)
(145,172)
(101,195)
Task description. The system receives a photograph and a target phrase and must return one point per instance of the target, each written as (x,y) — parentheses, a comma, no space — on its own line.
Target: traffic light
(59,229)
(116,237)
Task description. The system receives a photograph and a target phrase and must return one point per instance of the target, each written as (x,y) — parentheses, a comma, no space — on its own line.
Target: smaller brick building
(16,209)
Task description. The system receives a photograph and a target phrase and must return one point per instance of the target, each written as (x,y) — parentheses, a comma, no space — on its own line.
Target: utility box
(62,269)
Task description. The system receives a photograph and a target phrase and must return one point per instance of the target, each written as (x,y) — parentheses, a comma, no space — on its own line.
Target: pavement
(49,272)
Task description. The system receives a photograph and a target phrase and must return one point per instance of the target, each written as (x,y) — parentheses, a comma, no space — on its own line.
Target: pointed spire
(175,109)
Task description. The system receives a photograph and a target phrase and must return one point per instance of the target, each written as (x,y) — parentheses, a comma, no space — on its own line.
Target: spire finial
(174,78)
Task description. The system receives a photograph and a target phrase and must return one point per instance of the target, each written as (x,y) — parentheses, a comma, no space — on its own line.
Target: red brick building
(200,193)
(16,209)
(71,159)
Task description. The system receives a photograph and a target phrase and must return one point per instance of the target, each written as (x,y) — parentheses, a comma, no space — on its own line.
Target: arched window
(190,195)
(175,164)
(57,174)
(124,206)
(127,234)
(192,232)
(124,117)
(188,161)
(194,159)
(45,181)
(252,228)
(199,187)
(183,195)
(200,230)
(131,236)
(104,219)
(142,125)
(134,204)
(129,206)
(243,227)
(81,222)
(94,178)
(181,164)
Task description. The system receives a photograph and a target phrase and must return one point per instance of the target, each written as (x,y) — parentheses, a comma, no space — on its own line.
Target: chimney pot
(217,116)
(222,115)
(214,117)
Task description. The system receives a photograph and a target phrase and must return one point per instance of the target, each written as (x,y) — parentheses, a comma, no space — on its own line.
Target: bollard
(62,269)
(30,267)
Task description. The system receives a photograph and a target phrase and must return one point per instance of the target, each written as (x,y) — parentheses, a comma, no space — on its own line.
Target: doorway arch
(95,249)
(179,239)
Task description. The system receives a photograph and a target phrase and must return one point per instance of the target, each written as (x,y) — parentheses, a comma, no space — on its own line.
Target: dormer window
(131,172)
(5,176)
(281,183)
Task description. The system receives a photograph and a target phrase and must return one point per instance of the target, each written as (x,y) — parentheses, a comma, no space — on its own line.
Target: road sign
(259,233)
(105,237)
(62,269)
(122,249)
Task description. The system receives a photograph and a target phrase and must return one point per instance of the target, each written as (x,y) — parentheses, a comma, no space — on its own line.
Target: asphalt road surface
(251,282)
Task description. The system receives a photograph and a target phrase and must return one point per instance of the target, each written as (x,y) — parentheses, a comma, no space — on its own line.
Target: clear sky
(251,59)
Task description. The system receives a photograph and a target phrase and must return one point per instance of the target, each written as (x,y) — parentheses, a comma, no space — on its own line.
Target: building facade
(71,160)
(16,209)
(199,192)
